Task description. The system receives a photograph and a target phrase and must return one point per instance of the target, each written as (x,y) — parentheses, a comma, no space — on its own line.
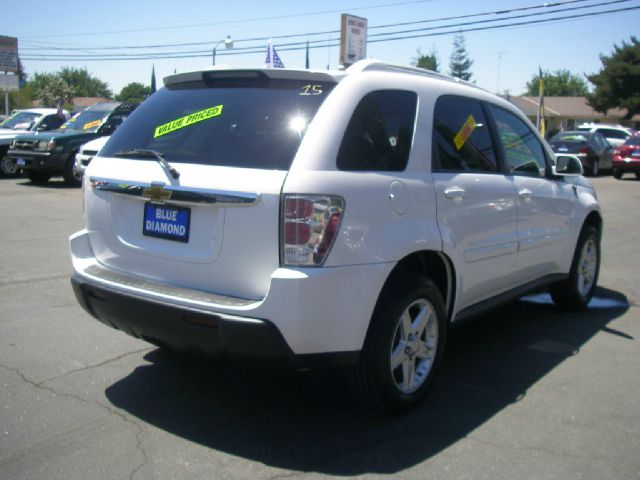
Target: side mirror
(567,166)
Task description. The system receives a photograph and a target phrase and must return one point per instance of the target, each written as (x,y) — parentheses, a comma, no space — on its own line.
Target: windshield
(86,121)
(21,121)
(252,124)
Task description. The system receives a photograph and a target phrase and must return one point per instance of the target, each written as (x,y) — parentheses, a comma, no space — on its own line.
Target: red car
(626,158)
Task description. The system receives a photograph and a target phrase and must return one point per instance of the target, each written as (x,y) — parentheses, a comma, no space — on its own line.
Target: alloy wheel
(414,346)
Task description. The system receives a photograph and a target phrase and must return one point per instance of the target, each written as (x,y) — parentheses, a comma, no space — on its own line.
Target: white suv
(343,218)
(616,135)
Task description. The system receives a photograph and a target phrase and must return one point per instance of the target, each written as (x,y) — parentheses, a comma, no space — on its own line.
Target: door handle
(454,192)
(525,193)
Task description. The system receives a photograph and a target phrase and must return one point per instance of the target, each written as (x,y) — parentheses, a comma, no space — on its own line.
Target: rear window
(611,133)
(570,138)
(249,123)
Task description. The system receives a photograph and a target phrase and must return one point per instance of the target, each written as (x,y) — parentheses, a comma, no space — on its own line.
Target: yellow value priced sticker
(465,132)
(187,120)
(89,125)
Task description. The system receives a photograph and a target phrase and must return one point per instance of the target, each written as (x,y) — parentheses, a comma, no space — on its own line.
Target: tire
(617,174)
(595,169)
(575,292)
(400,357)
(70,175)
(37,177)
(8,168)
(638,175)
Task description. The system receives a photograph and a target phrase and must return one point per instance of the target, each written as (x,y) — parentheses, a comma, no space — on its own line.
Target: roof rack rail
(380,66)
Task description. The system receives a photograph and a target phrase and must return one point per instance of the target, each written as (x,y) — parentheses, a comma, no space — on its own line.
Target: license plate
(20,162)
(166,221)
(636,153)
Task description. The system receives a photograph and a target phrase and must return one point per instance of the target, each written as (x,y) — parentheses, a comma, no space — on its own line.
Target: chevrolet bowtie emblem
(157,193)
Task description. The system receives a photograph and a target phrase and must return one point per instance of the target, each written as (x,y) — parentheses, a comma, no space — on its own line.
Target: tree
(561,83)
(83,84)
(617,84)
(459,61)
(49,87)
(133,92)
(23,97)
(429,61)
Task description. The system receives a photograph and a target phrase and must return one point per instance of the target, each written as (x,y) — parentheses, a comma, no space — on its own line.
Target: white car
(23,121)
(616,135)
(343,218)
(87,152)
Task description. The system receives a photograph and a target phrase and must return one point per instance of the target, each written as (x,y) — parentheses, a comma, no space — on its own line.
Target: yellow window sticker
(465,132)
(187,120)
(89,125)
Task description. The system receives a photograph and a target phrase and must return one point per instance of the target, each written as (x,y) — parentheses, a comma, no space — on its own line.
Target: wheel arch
(594,219)
(436,265)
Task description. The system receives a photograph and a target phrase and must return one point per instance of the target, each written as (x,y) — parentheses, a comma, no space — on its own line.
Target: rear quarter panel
(388,215)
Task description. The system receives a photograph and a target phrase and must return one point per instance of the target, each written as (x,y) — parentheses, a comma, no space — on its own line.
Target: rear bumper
(180,328)
(308,318)
(81,162)
(627,165)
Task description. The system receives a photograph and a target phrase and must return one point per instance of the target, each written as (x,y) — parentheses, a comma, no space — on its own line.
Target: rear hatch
(187,191)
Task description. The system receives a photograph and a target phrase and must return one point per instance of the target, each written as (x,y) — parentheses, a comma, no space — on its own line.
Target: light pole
(500,54)
(228,43)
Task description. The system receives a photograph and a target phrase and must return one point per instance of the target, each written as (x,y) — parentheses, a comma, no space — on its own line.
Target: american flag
(272,60)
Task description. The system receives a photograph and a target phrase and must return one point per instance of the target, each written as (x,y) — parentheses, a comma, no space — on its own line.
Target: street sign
(9,83)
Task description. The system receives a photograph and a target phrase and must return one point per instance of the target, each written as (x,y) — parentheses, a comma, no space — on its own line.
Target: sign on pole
(9,83)
(353,39)
(8,54)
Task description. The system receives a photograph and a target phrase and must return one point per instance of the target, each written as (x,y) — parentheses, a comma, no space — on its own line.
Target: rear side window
(254,122)
(461,138)
(379,134)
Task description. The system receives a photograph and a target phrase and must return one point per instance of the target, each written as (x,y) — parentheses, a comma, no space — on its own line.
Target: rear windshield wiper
(151,154)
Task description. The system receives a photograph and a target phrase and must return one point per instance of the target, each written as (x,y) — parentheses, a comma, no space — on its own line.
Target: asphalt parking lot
(525,392)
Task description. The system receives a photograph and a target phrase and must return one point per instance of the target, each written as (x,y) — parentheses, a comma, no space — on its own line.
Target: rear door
(476,202)
(187,191)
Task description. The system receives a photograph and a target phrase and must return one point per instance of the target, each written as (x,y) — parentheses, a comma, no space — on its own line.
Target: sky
(504,58)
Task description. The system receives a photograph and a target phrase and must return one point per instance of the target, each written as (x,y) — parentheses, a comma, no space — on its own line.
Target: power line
(91,49)
(324,44)
(228,22)
(516,24)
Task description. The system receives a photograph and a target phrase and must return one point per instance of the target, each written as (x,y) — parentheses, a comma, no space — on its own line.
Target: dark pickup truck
(42,155)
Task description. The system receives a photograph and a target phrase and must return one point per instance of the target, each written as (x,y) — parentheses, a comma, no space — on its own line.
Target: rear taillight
(584,151)
(617,155)
(309,227)
(625,151)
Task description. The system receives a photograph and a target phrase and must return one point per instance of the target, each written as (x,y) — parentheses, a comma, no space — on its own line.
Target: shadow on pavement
(308,422)
(54,184)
